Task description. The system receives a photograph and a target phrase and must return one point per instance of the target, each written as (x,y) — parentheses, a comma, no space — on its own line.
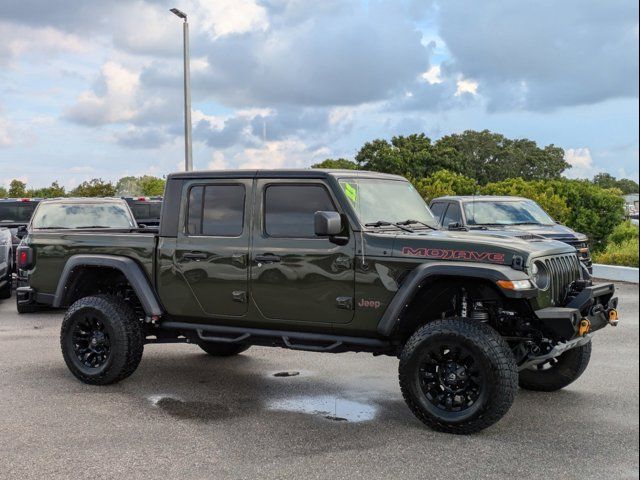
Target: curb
(614,272)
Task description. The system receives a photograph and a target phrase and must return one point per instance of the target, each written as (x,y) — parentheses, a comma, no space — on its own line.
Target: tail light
(24,258)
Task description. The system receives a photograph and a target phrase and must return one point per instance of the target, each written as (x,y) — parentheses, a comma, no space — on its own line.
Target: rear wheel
(458,375)
(556,373)
(101,340)
(5,291)
(220,349)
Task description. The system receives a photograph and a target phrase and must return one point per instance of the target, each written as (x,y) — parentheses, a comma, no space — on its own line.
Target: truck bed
(52,249)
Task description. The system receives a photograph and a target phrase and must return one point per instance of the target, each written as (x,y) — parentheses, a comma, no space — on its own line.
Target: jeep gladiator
(325,261)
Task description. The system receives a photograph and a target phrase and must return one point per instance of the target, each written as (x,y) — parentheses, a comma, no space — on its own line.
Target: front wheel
(458,375)
(556,373)
(101,340)
(5,291)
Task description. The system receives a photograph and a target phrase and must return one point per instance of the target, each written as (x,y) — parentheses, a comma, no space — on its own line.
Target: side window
(216,210)
(453,215)
(438,209)
(289,209)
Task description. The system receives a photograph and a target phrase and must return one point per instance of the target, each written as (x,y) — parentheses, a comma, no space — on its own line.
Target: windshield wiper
(384,223)
(527,223)
(413,222)
(51,228)
(93,226)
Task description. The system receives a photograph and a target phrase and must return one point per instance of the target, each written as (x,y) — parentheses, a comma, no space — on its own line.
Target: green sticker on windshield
(351,192)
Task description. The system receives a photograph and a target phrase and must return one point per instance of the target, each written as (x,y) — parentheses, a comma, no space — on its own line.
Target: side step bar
(315,342)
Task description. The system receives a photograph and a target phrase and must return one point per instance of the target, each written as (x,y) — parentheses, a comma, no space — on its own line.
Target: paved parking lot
(186,415)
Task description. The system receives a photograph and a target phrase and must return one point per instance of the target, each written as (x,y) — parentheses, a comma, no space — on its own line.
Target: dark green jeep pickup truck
(325,261)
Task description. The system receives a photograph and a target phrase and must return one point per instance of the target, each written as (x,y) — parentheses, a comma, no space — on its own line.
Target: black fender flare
(129,268)
(476,271)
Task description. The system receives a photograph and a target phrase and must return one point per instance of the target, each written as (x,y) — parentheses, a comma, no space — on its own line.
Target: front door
(212,250)
(295,275)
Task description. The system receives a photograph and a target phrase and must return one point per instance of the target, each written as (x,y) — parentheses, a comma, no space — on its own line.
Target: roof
(84,200)
(283,173)
(632,197)
(481,198)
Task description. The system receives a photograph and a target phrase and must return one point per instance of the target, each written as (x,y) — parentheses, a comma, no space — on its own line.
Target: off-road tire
(570,365)
(220,349)
(124,332)
(499,374)
(5,291)
(26,308)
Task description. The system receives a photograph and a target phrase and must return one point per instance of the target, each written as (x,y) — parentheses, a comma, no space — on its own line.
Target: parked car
(16,213)
(146,210)
(324,261)
(515,216)
(6,263)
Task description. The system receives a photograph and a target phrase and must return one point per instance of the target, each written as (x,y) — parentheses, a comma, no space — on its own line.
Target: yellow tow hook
(613,317)
(585,326)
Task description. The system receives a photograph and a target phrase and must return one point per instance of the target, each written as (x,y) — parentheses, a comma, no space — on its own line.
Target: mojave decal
(445,254)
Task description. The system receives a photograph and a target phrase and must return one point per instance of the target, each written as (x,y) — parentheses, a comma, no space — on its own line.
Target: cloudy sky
(94,89)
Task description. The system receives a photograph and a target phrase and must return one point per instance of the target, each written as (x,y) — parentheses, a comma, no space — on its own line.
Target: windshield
(88,215)
(508,212)
(392,201)
(16,212)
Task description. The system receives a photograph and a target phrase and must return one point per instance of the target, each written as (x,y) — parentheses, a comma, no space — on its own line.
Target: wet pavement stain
(286,374)
(193,410)
(327,406)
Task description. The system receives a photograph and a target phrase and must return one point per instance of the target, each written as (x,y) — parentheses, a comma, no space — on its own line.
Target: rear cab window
(216,210)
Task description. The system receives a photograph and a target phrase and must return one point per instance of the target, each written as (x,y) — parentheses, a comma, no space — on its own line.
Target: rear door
(212,246)
(297,277)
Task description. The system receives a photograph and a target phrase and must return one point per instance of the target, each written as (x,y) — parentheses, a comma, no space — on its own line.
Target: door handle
(267,258)
(195,256)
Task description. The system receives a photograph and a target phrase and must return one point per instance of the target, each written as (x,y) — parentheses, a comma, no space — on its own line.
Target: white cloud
(218,161)
(19,40)
(280,154)
(465,85)
(227,17)
(582,165)
(5,137)
(433,75)
(115,99)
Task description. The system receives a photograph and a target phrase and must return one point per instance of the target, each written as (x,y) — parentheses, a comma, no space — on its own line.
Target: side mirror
(22,232)
(327,224)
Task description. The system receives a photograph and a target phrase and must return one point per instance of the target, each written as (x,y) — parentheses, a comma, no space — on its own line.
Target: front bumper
(593,303)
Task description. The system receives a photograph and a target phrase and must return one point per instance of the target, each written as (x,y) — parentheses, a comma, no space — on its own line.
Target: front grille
(563,271)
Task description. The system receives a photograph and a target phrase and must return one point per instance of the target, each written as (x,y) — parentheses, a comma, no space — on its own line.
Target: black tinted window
(216,210)
(438,209)
(290,209)
(453,215)
(17,212)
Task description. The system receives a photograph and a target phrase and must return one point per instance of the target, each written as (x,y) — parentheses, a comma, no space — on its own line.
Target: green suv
(324,261)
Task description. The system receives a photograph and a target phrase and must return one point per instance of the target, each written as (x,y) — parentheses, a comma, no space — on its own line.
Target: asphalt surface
(186,415)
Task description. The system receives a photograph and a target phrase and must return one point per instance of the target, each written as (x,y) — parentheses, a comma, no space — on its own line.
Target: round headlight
(540,275)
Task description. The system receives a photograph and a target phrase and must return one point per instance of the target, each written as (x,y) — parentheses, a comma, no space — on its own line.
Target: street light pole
(188,157)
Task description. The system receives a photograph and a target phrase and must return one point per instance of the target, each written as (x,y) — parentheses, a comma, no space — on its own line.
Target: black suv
(516,216)
(16,212)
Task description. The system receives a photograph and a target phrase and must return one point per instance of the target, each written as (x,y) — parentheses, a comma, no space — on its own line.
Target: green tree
(94,188)
(337,163)
(3,192)
(17,189)
(444,182)
(606,180)
(128,187)
(52,191)
(594,211)
(492,157)
(152,186)
(412,156)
